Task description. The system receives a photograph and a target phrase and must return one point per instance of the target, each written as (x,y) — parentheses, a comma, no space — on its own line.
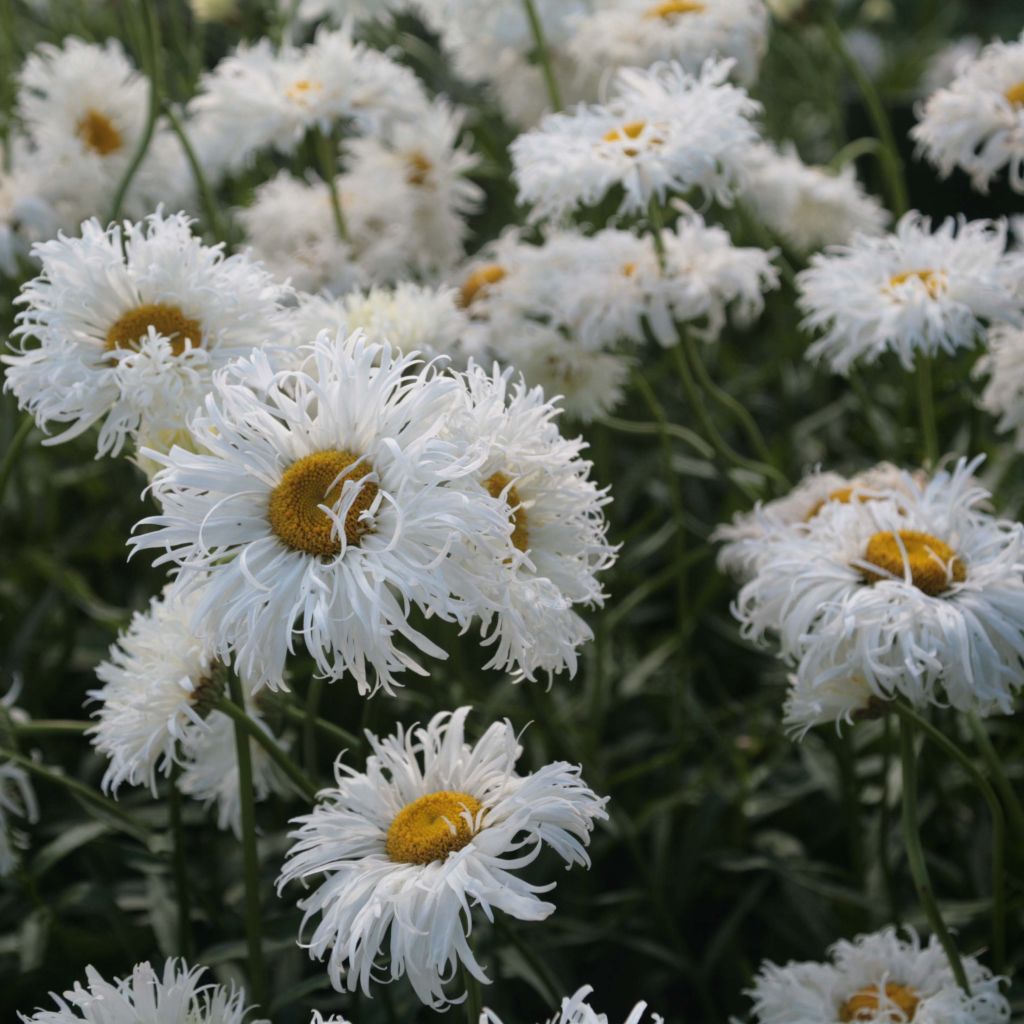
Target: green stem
(474,1002)
(329,170)
(926,409)
(657,222)
(257,967)
(234,709)
(316,689)
(951,750)
(51,727)
(544,56)
(885,823)
(300,716)
(868,146)
(995,766)
(693,439)
(13,451)
(206,196)
(181,889)
(915,853)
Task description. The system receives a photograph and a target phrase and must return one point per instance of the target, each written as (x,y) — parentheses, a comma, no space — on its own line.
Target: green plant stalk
(952,750)
(234,709)
(329,169)
(13,451)
(181,889)
(995,766)
(867,146)
(301,716)
(885,823)
(657,224)
(926,410)
(474,1003)
(915,854)
(206,196)
(51,727)
(692,438)
(544,55)
(253,935)
(309,752)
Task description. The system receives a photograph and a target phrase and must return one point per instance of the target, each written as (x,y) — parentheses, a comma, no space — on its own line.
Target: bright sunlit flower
(911,291)
(401,852)
(576,1010)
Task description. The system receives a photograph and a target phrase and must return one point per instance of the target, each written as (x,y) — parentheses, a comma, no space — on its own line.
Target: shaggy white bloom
(663,130)
(637,33)
(338,12)
(977,122)
(84,108)
(809,207)
(947,63)
(434,825)
(576,1010)
(1003,364)
(172,996)
(26,215)
(878,978)
(559,533)
(130,323)
(920,594)
(840,701)
(324,506)
(911,291)
(17,800)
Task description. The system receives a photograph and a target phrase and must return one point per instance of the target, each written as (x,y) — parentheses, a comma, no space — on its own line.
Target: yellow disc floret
(933,280)
(865,1004)
(302,91)
(479,281)
(294,510)
(632,130)
(670,8)
(419,168)
(496,485)
(164,317)
(842,496)
(98,133)
(433,826)
(934,566)
(1015,94)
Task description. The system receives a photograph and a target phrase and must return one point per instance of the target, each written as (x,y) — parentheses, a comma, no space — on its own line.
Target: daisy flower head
(919,594)
(175,995)
(325,506)
(129,323)
(915,290)
(399,852)
(576,1009)
(809,207)
(26,215)
(947,63)
(976,123)
(844,700)
(1003,364)
(879,978)
(662,130)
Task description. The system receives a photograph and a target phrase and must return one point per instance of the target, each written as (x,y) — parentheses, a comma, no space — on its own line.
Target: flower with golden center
(98,133)
(932,565)
(399,852)
(165,318)
(479,282)
(499,485)
(1015,94)
(866,1004)
(670,8)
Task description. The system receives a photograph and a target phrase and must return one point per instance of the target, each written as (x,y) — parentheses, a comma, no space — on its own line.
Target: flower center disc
(933,281)
(98,133)
(496,484)
(477,282)
(419,168)
(865,1004)
(672,7)
(844,495)
(1015,94)
(302,91)
(934,566)
(431,827)
(167,320)
(633,130)
(294,510)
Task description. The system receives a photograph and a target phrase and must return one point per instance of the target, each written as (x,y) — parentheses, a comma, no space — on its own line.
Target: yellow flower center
(843,495)
(477,283)
(431,827)
(632,130)
(670,8)
(865,1004)
(294,510)
(302,91)
(1015,94)
(933,280)
(166,319)
(419,168)
(98,133)
(496,484)
(934,566)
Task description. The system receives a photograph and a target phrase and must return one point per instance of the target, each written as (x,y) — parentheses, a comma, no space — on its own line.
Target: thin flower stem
(867,146)
(300,716)
(915,853)
(657,223)
(474,1002)
(693,439)
(995,767)
(234,709)
(209,201)
(952,750)
(13,451)
(329,170)
(180,863)
(50,727)
(544,56)
(316,689)
(926,409)
(254,939)
(885,822)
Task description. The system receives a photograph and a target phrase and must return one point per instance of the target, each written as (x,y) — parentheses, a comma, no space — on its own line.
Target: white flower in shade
(399,853)
(746,539)
(976,123)
(878,979)
(558,530)
(637,33)
(1003,364)
(911,291)
(339,11)
(663,130)
(130,324)
(84,109)
(17,800)
(576,1010)
(920,595)
(947,63)
(26,216)
(324,507)
(175,995)
(840,701)
(809,207)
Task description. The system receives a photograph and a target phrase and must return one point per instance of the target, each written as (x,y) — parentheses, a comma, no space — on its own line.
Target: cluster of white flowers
(575,1009)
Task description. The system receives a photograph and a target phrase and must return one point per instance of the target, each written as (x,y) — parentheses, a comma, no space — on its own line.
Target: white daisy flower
(175,995)
(911,291)
(339,12)
(663,130)
(17,800)
(920,594)
(401,851)
(878,978)
(637,33)
(1003,364)
(130,324)
(576,1010)
(947,63)
(84,109)
(26,215)
(559,533)
(840,701)
(809,207)
(976,123)
(324,506)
